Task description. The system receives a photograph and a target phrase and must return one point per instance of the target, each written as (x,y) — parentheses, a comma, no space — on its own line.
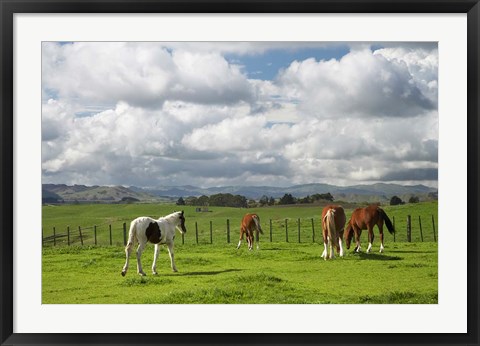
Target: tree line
(218,200)
(238,201)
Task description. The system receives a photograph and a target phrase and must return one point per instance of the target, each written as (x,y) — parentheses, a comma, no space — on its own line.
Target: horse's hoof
(142,274)
(123,273)
(154,273)
(175,270)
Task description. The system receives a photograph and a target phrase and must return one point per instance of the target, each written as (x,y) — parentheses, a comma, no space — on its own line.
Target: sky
(152,114)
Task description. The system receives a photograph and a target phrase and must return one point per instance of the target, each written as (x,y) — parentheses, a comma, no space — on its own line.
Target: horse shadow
(376,257)
(412,251)
(213,272)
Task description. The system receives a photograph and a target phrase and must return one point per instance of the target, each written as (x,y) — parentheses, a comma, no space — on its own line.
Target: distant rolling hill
(82,193)
(358,193)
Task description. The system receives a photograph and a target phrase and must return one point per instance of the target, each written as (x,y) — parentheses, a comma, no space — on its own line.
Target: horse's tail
(388,223)
(256,219)
(329,221)
(132,233)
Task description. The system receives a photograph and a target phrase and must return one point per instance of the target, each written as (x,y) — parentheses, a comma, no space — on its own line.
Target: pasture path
(278,273)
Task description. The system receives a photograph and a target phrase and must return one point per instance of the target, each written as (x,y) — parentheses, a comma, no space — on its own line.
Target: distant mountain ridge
(70,193)
(380,192)
(355,192)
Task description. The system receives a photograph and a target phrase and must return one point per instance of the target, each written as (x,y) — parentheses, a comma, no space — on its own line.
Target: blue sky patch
(267,65)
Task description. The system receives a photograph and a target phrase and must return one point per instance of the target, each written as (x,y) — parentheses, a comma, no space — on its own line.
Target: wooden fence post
(286,230)
(54,237)
(124,234)
(409,228)
(420,224)
(270,230)
(433,223)
(68,235)
(110,229)
(80,232)
(196,232)
(95,233)
(313,231)
(228,231)
(211,233)
(298,223)
(394,229)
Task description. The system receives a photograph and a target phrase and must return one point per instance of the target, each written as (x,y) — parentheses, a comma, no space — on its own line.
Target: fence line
(206,232)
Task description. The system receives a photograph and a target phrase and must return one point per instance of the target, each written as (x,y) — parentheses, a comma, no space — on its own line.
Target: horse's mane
(172,215)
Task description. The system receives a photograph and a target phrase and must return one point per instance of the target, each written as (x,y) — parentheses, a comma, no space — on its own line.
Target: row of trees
(229,200)
(218,200)
(238,201)
(289,199)
(395,200)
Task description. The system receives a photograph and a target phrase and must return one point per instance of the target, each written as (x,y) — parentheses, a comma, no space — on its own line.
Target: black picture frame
(10,7)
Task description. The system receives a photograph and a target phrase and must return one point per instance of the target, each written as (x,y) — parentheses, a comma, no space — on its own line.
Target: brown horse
(250,223)
(333,222)
(367,218)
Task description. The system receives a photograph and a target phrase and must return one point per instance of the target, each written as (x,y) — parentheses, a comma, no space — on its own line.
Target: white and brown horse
(250,223)
(333,223)
(162,231)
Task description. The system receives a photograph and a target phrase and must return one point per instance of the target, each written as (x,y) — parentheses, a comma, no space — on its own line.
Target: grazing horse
(250,223)
(333,222)
(367,218)
(161,231)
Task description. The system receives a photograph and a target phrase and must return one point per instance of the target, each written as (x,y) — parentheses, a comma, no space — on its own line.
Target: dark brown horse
(367,218)
(333,222)
(250,223)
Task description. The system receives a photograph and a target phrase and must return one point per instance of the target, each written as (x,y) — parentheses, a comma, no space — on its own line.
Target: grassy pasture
(103,215)
(279,273)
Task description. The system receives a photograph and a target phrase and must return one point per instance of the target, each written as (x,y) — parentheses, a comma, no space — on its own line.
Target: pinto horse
(162,231)
(367,218)
(249,224)
(333,223)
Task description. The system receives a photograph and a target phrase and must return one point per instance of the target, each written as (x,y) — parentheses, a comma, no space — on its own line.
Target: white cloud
(141,74)
(153,114)
(360,84)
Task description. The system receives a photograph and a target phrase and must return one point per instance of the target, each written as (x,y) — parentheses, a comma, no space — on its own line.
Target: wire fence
(411,229)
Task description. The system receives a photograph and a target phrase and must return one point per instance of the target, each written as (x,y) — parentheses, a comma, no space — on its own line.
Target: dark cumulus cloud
(413,174)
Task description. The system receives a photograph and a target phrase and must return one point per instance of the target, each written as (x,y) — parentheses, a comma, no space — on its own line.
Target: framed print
(201,172)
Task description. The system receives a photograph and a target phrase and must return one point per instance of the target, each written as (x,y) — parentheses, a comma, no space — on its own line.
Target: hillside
(357,193)
(82,193)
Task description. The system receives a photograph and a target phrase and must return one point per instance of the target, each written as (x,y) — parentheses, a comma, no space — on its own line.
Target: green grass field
(279,273)
(104,216)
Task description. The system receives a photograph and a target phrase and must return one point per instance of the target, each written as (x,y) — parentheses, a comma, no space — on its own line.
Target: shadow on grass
(376,257)
(411,251)
(216,272)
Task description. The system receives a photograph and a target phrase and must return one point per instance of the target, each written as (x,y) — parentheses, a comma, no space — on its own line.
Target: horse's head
(181,224)
(348,235)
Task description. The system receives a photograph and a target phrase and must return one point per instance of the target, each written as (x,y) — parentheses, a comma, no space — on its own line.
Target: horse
(249,224)
(333,223)
(367,218)
(162,231)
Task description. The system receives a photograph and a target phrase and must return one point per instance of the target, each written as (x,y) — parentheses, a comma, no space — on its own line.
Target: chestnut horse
(333,223)
(250,223)
(367,218)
